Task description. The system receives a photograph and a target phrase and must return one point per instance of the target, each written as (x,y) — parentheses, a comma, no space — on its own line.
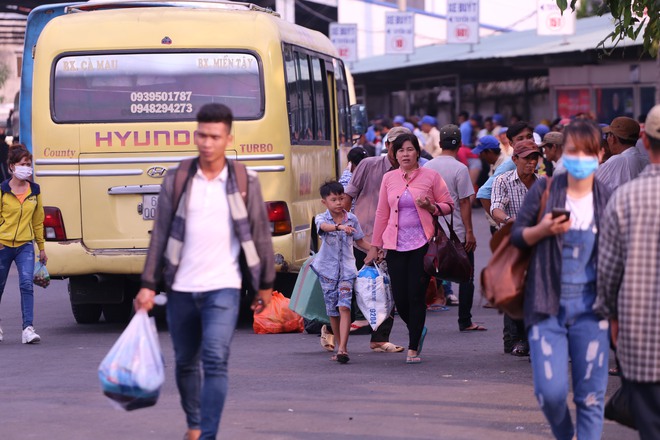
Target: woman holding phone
(561,287)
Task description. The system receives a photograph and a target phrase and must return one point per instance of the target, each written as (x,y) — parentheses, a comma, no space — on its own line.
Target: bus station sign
(344,38)
(551,21)
(462,21)
(399,33)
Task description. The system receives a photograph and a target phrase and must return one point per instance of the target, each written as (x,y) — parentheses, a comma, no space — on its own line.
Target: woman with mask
(21,223)
(561,288)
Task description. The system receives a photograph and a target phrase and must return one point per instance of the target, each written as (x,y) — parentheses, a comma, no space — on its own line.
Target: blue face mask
(580,167)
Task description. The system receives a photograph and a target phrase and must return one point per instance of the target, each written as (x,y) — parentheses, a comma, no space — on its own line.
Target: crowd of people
(592,275)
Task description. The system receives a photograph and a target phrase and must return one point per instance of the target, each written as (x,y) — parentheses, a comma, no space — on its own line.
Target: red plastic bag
(278,318)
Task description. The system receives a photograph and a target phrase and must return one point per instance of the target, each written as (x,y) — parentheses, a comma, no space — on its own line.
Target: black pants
(382,333)
(645,405)
(465,299)
(409,283)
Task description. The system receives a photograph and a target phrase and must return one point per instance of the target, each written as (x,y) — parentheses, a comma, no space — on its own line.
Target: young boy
(335,263)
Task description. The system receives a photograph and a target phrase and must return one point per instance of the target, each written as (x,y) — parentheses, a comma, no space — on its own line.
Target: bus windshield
(140,87)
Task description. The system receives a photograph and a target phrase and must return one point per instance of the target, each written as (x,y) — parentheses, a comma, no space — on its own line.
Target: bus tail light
(280,220)
(53,224)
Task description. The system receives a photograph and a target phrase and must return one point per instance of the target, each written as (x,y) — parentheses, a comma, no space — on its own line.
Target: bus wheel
(86,313)
(118,313)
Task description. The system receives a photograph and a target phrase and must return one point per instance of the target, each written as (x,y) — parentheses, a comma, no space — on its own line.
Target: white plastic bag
(132,372)
(373,293)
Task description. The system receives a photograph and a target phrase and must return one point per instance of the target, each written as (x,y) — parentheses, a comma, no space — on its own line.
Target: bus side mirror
(359,119)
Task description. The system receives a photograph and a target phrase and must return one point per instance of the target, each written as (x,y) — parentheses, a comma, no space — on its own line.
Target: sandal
(437,308)
(413,359)
(387,347)
(342,358)
(327,339)
(473,328)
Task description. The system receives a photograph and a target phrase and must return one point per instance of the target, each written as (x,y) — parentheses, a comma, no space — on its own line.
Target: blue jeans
(23,256)
(578,333)
(202,326)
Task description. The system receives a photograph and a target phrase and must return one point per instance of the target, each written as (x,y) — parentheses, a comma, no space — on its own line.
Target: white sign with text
(399,32)
(344,38)
(463,21)
(551,21)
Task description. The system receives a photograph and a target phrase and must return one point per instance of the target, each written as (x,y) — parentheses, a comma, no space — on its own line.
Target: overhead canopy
(498,57)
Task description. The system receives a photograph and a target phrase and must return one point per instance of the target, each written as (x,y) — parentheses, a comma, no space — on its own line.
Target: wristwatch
(507,218)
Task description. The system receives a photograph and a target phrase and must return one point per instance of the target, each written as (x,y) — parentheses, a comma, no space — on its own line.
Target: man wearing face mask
(22,224)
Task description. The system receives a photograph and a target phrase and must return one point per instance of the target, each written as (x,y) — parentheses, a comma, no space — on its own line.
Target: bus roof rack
(95,5)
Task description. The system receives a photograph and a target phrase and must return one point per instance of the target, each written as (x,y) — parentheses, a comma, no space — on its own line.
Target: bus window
(154,86)
(292,94)
(320,101)
(305,94)
(344,123)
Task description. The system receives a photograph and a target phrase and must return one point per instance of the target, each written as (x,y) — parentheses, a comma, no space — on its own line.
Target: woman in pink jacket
(410,196)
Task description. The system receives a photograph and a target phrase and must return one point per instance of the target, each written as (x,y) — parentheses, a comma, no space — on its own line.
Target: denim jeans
(202,326)
(576,332)
(23,256)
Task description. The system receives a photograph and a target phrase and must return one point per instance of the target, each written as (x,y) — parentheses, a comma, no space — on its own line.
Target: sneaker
(452,300)
(30,336)
(520,348)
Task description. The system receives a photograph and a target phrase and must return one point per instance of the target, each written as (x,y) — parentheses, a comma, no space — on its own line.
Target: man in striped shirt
(628,261)
(509,191)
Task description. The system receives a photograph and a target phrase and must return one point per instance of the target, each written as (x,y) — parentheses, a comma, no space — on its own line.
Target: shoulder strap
(544,199)
(241,179)
(183,172)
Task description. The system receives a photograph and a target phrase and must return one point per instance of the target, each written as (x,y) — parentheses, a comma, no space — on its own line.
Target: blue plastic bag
(132,372)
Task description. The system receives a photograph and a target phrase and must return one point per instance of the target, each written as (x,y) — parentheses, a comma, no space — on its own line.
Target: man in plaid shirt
(628,292)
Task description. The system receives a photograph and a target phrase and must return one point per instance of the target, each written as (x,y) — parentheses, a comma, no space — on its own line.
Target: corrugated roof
(588,33)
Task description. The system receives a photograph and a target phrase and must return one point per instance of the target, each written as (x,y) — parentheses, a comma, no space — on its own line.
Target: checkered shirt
(629,273)
(508,193)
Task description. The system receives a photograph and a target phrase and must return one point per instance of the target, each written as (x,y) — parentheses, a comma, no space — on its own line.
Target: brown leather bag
(446,257)
(503,278)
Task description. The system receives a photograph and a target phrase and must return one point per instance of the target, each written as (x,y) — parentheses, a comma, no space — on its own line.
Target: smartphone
(558,212)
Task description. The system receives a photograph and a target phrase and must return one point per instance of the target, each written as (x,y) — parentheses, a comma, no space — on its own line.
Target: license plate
(149,203)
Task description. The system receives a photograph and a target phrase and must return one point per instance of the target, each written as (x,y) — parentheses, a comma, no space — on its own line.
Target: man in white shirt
(431,134)
(211,232)
(457,178)
(553,149)
(626,162)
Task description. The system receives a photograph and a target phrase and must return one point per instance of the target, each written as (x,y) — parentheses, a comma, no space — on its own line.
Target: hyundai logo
(156,172)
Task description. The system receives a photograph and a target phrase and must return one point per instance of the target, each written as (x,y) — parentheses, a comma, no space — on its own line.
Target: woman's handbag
(503,278)
(446,257)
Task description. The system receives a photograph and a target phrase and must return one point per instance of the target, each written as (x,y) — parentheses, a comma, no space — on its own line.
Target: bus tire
(86,313)
(118,313)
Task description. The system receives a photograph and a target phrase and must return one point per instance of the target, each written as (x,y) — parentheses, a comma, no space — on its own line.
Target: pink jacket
(423,182)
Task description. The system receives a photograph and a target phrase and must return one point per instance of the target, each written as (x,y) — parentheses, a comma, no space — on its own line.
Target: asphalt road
(281,386)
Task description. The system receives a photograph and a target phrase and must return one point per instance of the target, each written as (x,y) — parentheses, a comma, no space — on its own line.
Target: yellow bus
(108,107)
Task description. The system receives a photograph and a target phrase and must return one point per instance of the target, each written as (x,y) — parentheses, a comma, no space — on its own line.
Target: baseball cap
(487,142)
(394,133)
(525,148)
(427,120)
(541,129)
(498,119)
(409,126)
(502,130)
(398,119)
(652,124)
(450,131)
(623,127)
(553,137)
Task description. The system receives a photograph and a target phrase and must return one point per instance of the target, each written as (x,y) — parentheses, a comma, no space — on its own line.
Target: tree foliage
(631,17)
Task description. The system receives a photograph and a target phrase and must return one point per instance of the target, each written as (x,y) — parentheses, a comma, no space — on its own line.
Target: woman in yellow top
(21,223)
